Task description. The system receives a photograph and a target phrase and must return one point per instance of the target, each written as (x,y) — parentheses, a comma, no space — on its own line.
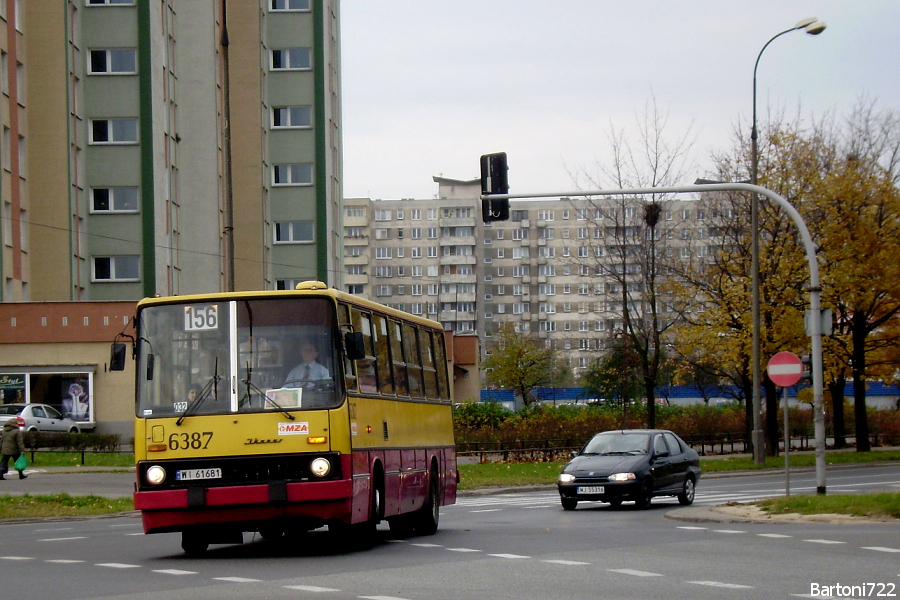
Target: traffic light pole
(815,329)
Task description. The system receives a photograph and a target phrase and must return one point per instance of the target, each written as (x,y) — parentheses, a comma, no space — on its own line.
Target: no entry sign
(785,368)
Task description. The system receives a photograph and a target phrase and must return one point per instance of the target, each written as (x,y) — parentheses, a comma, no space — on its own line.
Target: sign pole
(787,447)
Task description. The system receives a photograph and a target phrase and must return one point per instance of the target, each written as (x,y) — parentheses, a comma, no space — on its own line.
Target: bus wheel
(271,533)
(425,521)
(193,542)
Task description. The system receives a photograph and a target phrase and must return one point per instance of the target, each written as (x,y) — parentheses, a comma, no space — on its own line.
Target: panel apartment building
(553,269)
(114,163)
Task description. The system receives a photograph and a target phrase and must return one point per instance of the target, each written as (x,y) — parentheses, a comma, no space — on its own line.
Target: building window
(114,199)
(116,268)
(291,117)
(289,5)
(295,174)
(383,253)
(117,61)
(286,284)
(114,131)
(294,232)
(356,288)
(110,2)
(292,59)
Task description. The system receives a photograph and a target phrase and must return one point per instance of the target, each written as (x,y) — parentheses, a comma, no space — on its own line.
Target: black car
(633,464)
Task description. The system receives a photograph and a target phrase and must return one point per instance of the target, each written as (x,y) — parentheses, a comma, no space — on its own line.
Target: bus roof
(303,289)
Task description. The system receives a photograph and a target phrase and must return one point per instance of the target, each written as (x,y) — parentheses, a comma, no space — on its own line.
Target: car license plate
(590,489)
(192,474)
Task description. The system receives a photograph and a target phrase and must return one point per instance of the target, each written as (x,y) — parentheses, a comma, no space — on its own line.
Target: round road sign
(785,368)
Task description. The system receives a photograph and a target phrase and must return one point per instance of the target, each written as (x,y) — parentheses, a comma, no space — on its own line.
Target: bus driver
(308,372)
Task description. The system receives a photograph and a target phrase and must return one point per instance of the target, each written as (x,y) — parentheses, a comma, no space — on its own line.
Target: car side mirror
(662,454)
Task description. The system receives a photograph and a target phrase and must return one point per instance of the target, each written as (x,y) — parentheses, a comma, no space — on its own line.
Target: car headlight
(155,475)
(621,477)
(320,467)
(566,478)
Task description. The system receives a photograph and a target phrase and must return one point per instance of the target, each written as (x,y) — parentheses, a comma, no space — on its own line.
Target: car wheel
(646,495)
(73,430)
(569,503)
(686,498)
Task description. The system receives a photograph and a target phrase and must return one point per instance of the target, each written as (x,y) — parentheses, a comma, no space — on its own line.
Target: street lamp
(811,26)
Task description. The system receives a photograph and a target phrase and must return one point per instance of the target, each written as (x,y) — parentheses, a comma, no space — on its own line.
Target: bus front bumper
(175,510)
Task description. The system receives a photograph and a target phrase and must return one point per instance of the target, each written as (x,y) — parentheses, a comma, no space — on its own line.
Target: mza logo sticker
(293,428)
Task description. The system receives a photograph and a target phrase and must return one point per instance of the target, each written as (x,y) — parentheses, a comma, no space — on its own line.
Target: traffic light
(806,359)
(494,180)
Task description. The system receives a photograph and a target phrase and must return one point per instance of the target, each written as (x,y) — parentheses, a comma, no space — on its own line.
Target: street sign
(785,368)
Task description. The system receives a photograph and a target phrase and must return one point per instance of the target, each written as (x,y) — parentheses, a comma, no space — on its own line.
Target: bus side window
(383,355)
(426,343)
(365,368)
(440,358)
(399,362)
(413,361)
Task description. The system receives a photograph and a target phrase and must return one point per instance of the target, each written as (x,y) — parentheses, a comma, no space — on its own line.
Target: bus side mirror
(354,345)
(117,357)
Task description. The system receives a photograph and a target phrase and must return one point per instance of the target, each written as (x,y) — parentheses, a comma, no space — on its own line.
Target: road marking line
(509,556)
(463,550)
(53,529)
(692,528)
(728,531)
(63,539)
(573,563)
(636,573)
(16,558)
(423,545)
(824,542)
(117,565)
(237,579)
(773,535)
(310,588)
(63,561)
(881,549)
(174,572)
(735,586)
(487,510)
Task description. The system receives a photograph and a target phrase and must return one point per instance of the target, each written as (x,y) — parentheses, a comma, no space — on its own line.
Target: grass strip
(60,505)
(877,505)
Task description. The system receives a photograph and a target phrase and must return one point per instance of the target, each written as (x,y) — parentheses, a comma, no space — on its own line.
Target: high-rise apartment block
(558,268)
(116,168)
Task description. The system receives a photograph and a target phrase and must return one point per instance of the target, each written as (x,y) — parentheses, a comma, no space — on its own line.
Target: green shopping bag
(21,463)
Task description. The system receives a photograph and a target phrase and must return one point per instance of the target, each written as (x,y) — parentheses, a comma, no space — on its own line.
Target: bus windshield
(244,355)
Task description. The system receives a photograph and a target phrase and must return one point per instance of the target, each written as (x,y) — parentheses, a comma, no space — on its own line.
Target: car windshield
(618,443)
(249,355)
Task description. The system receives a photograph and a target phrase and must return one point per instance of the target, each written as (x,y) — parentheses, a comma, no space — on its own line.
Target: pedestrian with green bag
(12,446)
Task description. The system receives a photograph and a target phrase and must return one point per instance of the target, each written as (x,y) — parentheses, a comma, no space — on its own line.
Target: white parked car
(38,417)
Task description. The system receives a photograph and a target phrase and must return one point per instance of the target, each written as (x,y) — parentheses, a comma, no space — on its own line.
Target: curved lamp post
(812,26)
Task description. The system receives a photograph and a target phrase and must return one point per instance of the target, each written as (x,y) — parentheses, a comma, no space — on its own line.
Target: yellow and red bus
(239,430)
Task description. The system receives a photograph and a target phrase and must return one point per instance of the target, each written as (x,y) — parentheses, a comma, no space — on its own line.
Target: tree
(633,237)
(522,362)
(615,376)
(842,177)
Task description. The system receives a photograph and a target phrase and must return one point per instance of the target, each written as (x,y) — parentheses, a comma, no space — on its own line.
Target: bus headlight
(320,467)
(155,475)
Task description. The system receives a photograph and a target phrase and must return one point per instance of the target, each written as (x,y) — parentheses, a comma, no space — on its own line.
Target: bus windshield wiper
(252,387)
(202,396)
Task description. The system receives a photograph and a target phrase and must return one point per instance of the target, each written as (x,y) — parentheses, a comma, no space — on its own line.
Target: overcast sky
(429,85)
